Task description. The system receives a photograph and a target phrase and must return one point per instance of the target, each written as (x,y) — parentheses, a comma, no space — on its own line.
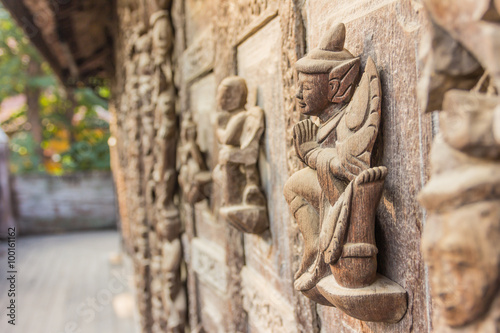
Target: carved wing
(253,127)
(366,99)
(362,119)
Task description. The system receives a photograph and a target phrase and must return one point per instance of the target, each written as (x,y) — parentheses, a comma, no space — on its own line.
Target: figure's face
(171,282)
(163,4)
(312,96)
(463,264)
(228,98)
(164,101)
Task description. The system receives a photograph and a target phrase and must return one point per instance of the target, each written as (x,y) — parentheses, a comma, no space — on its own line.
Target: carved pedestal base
(382,301)
(247,218)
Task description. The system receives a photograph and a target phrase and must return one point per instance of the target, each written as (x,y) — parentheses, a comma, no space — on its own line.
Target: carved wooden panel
(258,59)
(239,282)
(268,311)
(146,122)
(208,262)
(388,31)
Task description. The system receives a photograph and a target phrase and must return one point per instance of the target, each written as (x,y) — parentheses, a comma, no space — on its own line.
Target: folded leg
(303,194)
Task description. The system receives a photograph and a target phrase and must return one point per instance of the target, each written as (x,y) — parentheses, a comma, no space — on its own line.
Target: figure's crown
(334,39)
(329,54)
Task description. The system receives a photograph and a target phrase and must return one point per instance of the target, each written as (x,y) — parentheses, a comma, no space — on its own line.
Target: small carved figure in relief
(164,175)
(194,176)
(239,132)
(173,293)
(334,199)
(162,36)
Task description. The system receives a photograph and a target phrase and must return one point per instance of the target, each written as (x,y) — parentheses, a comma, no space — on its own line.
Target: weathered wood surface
(334,199)
(260,41)
(71,282)
(65,203)
(389,32)
(264,251)
(146,132)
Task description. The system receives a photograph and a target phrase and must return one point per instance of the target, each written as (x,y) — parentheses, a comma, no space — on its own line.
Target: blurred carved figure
(462,252)
(172,291)
(194,176)
(460,239)
(239,132)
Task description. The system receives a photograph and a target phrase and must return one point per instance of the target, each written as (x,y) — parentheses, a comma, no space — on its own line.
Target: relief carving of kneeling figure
(334,199)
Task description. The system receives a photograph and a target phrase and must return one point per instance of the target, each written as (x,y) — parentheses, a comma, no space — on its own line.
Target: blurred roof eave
(74,36)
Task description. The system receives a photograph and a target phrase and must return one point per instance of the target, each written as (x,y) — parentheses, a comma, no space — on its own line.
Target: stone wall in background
(81,201)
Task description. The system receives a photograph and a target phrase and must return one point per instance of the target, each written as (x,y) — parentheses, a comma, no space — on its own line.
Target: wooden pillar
(6,209)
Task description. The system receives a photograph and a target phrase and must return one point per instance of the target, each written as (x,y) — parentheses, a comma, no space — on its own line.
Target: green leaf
(89,97)
(41,81)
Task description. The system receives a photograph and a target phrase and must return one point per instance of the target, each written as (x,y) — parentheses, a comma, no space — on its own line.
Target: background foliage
(74,124)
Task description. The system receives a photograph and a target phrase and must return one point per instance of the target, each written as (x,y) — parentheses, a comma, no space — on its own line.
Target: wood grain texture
(387,32)
(406,157)
(220,38)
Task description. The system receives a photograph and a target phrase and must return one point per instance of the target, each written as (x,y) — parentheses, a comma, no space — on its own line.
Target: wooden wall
(193,269)
(260,41)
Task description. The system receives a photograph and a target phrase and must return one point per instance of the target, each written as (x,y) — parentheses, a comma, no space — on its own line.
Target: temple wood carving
(169,56)
(460,239)
(334,199)
(149,160)
(194,177)
(239,132)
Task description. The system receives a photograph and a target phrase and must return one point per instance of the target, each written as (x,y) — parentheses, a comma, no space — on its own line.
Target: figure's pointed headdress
(329,54)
